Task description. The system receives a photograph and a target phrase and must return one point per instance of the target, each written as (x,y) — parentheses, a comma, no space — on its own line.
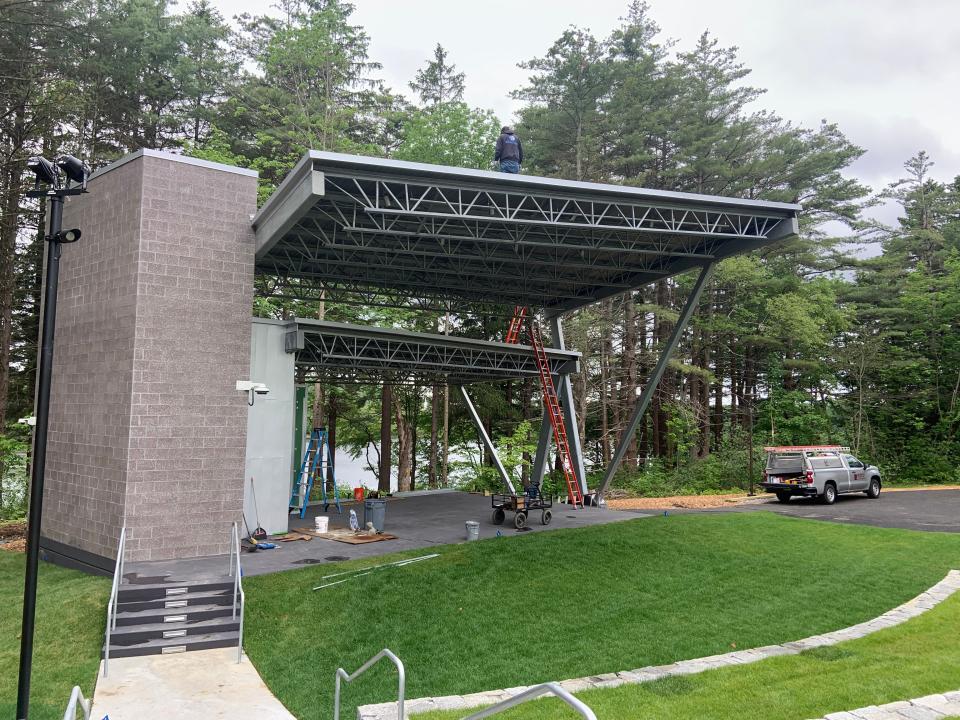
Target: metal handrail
(114,598)
(237,586)
(530,694)
(77,699)
(385,653)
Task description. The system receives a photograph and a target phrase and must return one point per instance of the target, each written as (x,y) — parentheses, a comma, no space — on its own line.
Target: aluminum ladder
(317,459)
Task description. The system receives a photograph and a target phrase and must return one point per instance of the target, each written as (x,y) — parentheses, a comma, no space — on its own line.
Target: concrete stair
(174,615)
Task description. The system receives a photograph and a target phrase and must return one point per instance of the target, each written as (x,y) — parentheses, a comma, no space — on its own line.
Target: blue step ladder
(317,459)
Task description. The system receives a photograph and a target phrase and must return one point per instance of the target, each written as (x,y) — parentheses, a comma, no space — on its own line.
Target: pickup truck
(822,471)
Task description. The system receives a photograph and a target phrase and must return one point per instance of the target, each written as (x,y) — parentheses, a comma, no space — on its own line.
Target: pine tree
(439,82)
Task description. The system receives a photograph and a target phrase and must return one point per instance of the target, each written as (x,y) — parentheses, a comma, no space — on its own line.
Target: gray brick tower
(153,331)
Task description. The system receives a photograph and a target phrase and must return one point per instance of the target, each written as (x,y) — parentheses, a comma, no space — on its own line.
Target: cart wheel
(546,517)
(520,520)
(498,516)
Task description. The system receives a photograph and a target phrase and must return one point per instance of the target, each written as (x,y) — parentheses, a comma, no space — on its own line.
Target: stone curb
(931,707)
(910,609)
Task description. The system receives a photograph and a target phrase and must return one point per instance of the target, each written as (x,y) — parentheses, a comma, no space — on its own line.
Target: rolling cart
(521,506)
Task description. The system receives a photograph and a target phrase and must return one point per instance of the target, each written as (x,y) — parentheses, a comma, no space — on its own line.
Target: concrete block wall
(147,428)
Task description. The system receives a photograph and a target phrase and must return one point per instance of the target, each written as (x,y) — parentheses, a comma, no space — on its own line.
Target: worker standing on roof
(509,151)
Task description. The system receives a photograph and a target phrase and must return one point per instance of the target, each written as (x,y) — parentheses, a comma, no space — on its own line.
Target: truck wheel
(873,492)
(498,516)
(829,496)
(783,497)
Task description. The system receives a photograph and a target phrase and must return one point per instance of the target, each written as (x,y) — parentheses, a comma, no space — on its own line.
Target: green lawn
(69,633)
(530,608)
(911,660)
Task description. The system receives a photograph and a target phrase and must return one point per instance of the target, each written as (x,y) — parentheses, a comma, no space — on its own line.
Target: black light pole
(47,174)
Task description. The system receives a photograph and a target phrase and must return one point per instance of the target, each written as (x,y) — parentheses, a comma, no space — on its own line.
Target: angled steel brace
(488,443)
(654,380)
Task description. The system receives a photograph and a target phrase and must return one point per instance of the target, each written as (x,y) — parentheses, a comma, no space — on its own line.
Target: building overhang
(344,224)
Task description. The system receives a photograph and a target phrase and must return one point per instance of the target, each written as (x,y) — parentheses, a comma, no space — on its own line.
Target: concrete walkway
(200,685)
(930,707)
(910,609)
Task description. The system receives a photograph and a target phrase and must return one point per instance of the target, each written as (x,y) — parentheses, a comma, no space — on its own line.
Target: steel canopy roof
(345,224)
(360,353)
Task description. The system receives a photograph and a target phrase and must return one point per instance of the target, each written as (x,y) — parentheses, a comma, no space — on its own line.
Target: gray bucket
(473,530)
(374,511)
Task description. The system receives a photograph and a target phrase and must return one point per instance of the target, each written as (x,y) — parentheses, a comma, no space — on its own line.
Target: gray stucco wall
(270,429)
(147,428)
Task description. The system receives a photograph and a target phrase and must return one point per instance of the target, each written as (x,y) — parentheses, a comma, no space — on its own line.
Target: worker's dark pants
(509,166)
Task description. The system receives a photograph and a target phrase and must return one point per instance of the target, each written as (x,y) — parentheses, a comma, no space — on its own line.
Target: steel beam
(654,380)
(569,409)
(543,450)
(488,443)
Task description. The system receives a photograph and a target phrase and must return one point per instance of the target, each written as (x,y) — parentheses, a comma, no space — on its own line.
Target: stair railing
(530,694)
(385,653)
(114,597)
(77,701)
(237,573)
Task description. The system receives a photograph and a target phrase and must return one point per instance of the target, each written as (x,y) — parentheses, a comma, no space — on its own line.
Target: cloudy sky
(886,70)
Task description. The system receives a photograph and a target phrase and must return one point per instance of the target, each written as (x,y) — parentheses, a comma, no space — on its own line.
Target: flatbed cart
(521,506)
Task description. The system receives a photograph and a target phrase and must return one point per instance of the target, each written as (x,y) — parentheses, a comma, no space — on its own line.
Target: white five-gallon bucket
(323,523)
(473,530)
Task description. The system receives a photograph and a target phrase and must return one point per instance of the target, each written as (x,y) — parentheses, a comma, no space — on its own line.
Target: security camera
(252,389)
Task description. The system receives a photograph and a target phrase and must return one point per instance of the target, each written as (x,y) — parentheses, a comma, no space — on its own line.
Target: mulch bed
(13,536)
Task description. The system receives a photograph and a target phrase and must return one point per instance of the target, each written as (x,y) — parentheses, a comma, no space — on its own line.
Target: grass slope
(911,660)
(69,633)
(547,606)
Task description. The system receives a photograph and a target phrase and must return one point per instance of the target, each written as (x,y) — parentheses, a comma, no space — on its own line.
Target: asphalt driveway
(931,510)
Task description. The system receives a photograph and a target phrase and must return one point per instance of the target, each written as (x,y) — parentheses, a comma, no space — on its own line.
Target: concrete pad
(420,521)
(200,685)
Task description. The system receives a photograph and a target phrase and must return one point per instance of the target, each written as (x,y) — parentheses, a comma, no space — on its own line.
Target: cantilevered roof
(361,353)
(350,224)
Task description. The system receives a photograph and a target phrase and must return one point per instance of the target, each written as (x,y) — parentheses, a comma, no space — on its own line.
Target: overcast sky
(888,71)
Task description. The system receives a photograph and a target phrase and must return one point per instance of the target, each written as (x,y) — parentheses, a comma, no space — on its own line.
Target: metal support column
(488,443)
(569,410)
(654,380)
(543,449)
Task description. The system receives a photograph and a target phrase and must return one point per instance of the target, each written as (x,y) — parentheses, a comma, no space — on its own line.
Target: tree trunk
(628,363)
(386,436)
(332,412)
(606,350)
(434,426)
(9,223)
(404,446)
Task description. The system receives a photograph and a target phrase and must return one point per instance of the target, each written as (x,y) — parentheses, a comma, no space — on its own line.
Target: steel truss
(340,352)
(347,224)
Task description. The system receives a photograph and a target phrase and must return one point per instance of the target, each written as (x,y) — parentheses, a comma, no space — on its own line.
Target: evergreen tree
(439,82)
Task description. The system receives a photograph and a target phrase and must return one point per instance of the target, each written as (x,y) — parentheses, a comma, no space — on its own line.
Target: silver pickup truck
(822,471)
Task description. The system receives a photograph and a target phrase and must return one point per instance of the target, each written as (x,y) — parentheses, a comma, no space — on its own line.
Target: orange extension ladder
(550,399)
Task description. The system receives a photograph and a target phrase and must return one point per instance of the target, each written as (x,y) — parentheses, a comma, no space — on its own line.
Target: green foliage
(449,133)
(14,482)
(723,471)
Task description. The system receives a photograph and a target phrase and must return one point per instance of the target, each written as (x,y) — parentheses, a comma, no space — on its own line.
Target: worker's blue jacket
(508,148)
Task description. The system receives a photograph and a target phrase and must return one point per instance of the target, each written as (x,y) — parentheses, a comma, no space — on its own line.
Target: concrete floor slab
(419,521)
(201,685)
